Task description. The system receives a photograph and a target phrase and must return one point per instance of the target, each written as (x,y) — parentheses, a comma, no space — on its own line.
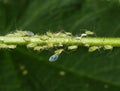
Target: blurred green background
(23,69)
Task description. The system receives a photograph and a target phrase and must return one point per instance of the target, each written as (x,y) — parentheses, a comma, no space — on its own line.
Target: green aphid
(108,47)
(44,37)
(68,33)
(59,51)
(21,33)
(89,32)
(93,48)
(86,45)
(31,45)
(50,45)
(7,46)
(60,34)
(11,46)
(73,47)
(49,34)
(40,48)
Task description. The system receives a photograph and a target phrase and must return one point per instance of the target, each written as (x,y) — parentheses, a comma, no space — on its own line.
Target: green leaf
(27,70)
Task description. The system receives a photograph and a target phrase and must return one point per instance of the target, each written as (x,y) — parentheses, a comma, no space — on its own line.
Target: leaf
(27,70)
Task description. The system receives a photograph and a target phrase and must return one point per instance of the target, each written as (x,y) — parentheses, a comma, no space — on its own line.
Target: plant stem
(91,41)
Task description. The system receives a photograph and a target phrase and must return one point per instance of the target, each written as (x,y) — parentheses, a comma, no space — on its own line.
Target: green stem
(115,42)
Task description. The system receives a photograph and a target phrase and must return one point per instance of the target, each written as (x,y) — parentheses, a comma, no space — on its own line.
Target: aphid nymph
(73,47)
(89,32)
(54,57)
(81,36)
(59,51)
(28,33)
(108,47)
(85,34)
(93,48)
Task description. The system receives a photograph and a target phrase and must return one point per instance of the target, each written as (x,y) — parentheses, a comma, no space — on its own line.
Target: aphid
(59,51)
(49,34)
(28,33)
(40,48)
(43,37)
(89,32)
(68,33)
(11,46)
(86,45)
(24,72)
(62,73)
(60,45)
(54,57)
(73,47)
(50,45)
(7,46)
(93,48)
(22,67)
(85,34)
(60,34)
(21,33)
(77,38)
(108,47)
(31,45)
(10,34)
(80,37)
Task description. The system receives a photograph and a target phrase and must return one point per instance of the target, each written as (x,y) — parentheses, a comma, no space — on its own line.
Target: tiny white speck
(87,85)
(25,72)
(22,67)
(105,86)
(62,73)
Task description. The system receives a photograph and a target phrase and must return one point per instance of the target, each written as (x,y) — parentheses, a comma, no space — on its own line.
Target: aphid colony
(17,33)
(55,56)
(48,45)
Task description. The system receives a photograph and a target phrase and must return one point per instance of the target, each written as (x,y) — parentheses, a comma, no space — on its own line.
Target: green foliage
(27,70)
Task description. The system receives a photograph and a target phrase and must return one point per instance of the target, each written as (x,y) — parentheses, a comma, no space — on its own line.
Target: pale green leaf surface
(97,71)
